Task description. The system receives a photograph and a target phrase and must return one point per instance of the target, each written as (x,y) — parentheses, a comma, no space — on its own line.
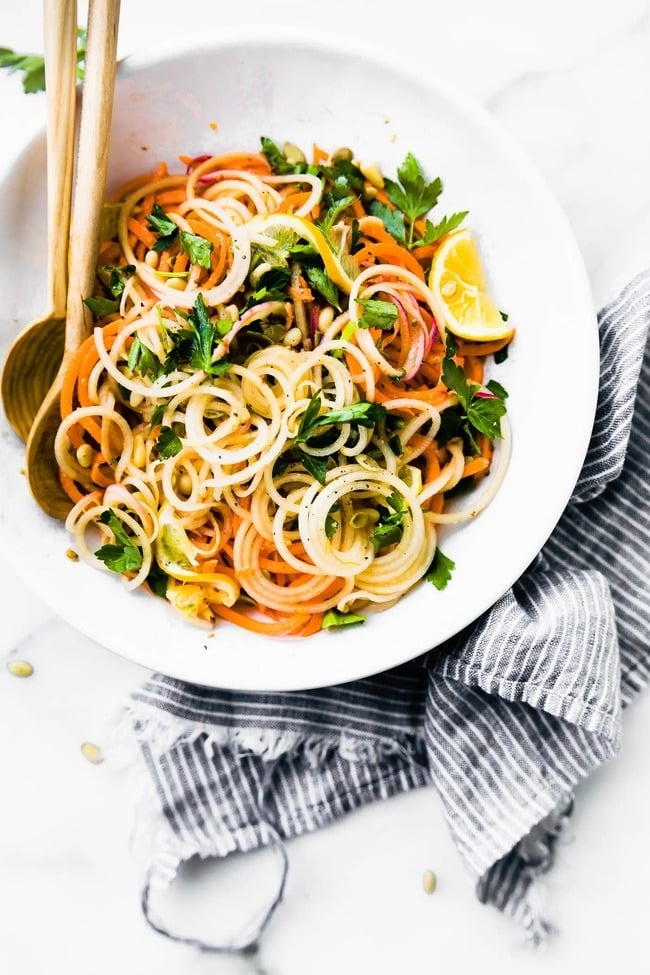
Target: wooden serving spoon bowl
(92,164)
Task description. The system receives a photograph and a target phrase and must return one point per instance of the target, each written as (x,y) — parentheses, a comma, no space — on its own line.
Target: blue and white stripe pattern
(526,703)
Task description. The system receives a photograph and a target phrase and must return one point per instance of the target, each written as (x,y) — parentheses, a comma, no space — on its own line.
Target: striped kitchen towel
(518,709)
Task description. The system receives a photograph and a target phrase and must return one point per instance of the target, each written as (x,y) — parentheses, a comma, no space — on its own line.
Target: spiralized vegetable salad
(284,388)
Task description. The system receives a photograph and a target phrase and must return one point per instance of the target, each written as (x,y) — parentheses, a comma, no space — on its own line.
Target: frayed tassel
(160,732)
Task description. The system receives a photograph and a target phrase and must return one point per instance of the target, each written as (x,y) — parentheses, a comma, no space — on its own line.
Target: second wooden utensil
(92,164)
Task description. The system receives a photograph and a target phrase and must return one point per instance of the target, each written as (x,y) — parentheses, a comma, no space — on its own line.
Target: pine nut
(139,456)
(185,484)
(429,881)
(325,318)
(292,338)
(72,555)
(370,193)
(85,454)
(178,284)
(152,258)
(135,399)
(372,173)
(20,668)
(342,155)
(92,752)
(293,154)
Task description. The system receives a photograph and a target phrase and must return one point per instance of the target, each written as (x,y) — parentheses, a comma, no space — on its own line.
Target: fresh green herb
(101,307)
(33,65)
(413,195)
(166,229)
(504,315)
(393,220)
(335,618)
(377,314)
(362,413)
(316,466)
(122,555)
(390,528)
(156,416)
(141,359)
(434,231)
(117,277)
(331,526)
(480,414)
(271,286)
(335,201)
(203,339)
(323,283)
(197,248)
(501,355)
(440,570)
(157,580)
(494,387)
(396,445)
(277,160)
(220,368)
(168,443)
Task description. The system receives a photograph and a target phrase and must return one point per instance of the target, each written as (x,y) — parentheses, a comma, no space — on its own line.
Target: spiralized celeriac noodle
(262,427)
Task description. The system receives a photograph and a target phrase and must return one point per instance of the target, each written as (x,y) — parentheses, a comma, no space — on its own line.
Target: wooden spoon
(35,354)
(92,164)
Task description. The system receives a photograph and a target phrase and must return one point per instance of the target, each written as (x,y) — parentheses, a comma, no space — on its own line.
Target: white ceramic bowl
(308,91)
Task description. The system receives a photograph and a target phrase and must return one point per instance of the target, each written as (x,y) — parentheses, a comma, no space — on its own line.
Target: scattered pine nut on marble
(20,668)
(92,753)
(429,881)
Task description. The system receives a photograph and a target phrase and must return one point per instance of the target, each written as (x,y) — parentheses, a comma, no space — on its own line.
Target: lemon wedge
(266,223)
(458,281)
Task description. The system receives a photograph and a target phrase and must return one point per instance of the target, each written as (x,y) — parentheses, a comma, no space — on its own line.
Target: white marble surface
(569,79)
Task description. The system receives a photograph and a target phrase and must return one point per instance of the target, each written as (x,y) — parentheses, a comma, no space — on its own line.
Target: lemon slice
(457,279)
(268,222)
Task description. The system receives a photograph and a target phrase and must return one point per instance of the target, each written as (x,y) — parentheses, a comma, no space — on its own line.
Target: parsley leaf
(204,337)
(277,160)
(481,413)
(122,555)
(156,416)
(141,359)
(331,526)
(33,65)
(166,229)
(271,286)
(157,580)
(393,220)
(335,618)
(434,231)
(440,570)
(323,283)
(389,529)
(377,314)
(363,413)
(335,202)
(197,248)
(168,443)
(412,195)
(101,307)
(316,466)
(117,277)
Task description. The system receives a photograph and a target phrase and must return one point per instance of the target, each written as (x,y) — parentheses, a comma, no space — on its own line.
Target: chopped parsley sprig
(121,555)
(479,413)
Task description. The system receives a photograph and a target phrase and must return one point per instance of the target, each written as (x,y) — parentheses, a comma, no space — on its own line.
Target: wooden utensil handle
(92,164)
(60,43)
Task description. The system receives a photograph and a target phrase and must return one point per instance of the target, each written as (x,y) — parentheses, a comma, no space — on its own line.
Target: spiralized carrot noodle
(269,420)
